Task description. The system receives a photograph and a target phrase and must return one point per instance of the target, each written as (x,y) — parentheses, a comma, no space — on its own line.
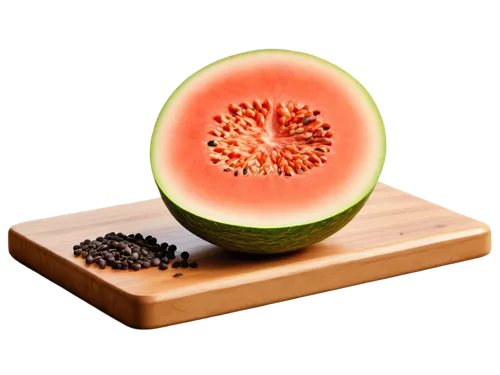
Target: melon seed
(240,134)
(308,120)
(122,252)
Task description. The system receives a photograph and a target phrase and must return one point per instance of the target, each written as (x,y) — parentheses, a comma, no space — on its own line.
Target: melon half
(267,151)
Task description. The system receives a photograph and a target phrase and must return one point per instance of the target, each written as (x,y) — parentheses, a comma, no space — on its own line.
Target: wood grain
(394,234)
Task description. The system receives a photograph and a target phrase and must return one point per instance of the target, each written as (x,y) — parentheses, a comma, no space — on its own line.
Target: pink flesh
(280,82)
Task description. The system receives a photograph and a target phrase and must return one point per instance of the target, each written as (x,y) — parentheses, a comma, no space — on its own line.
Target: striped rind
(262,240)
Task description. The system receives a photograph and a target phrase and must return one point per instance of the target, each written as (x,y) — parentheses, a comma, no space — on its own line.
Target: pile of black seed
(130,252)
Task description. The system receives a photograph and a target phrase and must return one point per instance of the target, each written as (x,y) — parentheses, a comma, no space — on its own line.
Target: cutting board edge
(412,260)
(83,284)
(151,312)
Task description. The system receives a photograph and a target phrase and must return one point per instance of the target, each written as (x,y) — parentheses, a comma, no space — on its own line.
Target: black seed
(245,171)
(119,266)
(113,245)
(136,266)
(165,260)
(76,247)
(184,263)
(185,255)
(170,255)
(176,264)
(280,171)
(101,263)
(211,143)
(96,258)
(146,265)
(227,169)
(85,247)
(86,242)
(148,238)
(120,234)
(130,262)
(193,265)
(316,112)
(139,236)
(160,254)
(172,248)
(144,251)
(236,173)
(124,266)
(164,246)
(178,274)
(111,234)
(155,262)
(127,251)
(134,256)
(84,254)
(89,259)
(151,241)
(77,252)
(139,261)
(121,246)
(163,266)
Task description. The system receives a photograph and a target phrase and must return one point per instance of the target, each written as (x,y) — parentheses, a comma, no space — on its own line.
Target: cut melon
(267,151)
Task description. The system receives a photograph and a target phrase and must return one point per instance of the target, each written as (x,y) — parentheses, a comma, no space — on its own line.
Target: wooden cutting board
(395,233)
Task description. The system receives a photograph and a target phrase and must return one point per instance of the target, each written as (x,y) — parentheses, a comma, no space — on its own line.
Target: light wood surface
(394,234)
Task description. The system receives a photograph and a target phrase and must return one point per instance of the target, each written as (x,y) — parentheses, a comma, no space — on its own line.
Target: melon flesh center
(254,138)
(342,173)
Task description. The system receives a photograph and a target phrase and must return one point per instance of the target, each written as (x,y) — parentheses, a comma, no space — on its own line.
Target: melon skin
(253,240)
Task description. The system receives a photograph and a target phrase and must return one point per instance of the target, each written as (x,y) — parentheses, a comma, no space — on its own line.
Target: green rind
(262,240)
